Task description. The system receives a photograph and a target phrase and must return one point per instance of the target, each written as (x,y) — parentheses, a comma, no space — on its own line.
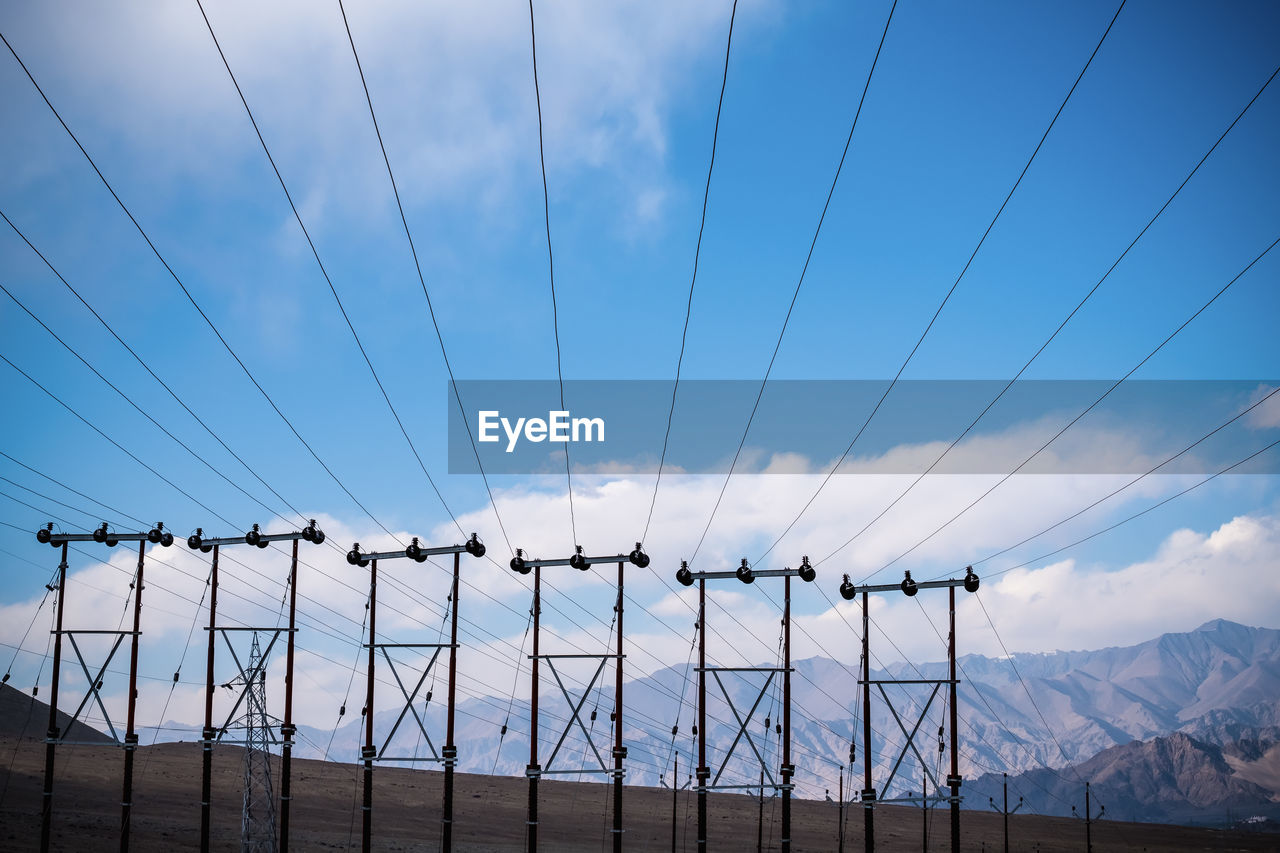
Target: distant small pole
(1089,817)
(760,817)
(924,813)
(1088,821)
(1006,811)
(840,816)
(675,801)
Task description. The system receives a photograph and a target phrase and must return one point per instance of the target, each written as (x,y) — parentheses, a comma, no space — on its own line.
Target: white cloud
(1191,577)
(1266,416)
(452,84)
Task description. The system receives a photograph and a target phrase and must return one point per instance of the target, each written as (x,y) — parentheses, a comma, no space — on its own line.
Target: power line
(1135,480)
(138,408)
(324,272)
(799,283)
(551,261)
(145,366)
(954,285)
(1088,409)
(87,423)
(1022,681)
(187,293)
(697,252)
(1136,515)
(1048,340)
(73,491)
(453,383)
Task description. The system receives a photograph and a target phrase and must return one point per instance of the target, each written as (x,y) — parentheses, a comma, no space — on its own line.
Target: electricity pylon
(258,820)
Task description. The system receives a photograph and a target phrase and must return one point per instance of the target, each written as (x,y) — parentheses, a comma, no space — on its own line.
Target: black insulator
(262,543)
(428,695)
(777,729)
(613,716)
(153,535)
(342,711)
(364,710)
(695,729)
(475,547)
(766,722)
(853,752)
(206,548)
(98,686)
(309,533)
(578,561)
(100,534)
(194,540)
(253,536)
(674,729)
(35,690)
(684,575)
(593,716)
(942,747)
(175,677)
(5,680)
(744,572)
(414,551)
(112,540)
(503,733)
(807,572)
(44,534)
(638,557)
(353,556)
(166,539)
(908,585)
(970,580)
(319,536)
(518,564)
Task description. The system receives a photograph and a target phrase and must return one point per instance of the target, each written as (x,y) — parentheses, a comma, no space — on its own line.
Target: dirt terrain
(490,812)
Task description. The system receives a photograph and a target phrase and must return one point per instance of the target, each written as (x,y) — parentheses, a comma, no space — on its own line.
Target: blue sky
(959,99)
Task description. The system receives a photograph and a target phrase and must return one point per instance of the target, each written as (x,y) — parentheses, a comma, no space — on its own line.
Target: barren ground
(490,812)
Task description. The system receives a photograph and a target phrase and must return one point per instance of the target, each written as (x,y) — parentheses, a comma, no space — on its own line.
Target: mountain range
(1181,728)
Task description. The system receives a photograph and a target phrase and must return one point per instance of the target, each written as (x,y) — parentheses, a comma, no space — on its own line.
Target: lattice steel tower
(258,821)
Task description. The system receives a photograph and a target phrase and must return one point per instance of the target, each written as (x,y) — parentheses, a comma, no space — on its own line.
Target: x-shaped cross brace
(408,706)
(742,728)
(575,716)
(94,682)
(911,743)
